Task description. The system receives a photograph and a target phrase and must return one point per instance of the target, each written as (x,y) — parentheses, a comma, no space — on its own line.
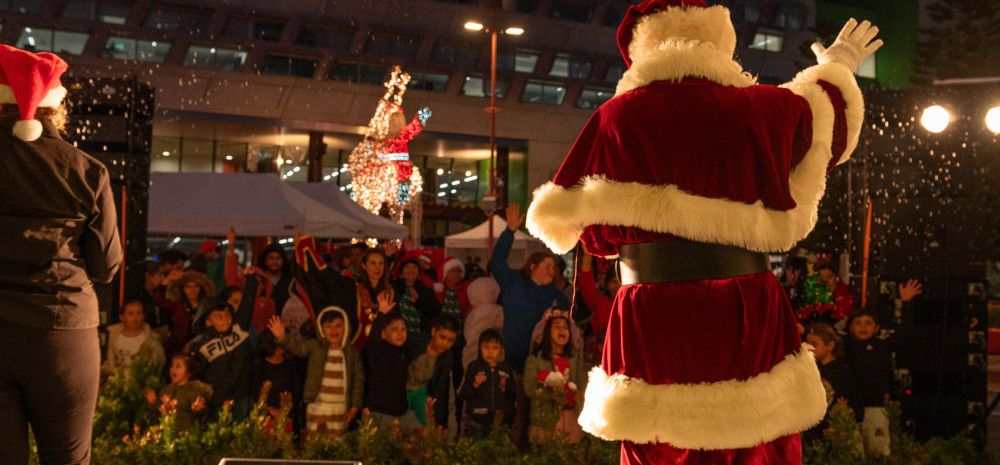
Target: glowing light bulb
(935,119)
(993,120)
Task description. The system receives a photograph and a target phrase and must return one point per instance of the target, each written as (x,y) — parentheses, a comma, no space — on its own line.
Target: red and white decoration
(712,371)
(30,80)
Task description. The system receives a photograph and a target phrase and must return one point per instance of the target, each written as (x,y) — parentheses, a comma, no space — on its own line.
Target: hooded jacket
(485,314)
(59,230)
(280,292)
(315,352)
(228,356)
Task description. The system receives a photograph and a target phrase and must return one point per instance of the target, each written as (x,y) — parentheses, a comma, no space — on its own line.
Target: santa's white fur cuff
(732,414)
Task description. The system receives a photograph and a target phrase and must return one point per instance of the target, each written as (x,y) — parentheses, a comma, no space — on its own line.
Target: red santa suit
(705,371)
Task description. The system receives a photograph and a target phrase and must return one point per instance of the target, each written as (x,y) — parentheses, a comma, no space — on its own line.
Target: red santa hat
(450,263)
(652,22)
(30,80)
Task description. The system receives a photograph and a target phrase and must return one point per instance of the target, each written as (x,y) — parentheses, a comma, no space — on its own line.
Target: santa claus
(690,175)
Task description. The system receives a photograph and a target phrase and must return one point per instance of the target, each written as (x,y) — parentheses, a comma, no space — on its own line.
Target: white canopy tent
(255,204)
(331,196)
(472,243)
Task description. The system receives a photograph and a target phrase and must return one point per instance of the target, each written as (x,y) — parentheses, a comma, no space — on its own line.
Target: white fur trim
(805,84)
(559,215)
(53,98)
(710,25)
(732,414)
(28,130)
(674,60)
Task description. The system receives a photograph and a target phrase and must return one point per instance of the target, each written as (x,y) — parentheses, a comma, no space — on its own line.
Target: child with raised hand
(488,389)
(226,350)
(335,378)
(275,368)
(132,338)
(187,395)
(387,360)
(428,381)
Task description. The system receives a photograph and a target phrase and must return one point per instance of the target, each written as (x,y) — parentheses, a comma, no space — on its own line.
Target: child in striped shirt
(335,379)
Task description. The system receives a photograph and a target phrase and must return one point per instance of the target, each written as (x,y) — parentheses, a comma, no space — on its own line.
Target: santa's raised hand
(853,44)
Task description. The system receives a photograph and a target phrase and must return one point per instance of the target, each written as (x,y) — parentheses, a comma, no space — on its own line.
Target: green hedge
(127,433)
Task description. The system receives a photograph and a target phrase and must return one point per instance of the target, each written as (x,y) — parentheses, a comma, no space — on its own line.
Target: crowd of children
(376,330)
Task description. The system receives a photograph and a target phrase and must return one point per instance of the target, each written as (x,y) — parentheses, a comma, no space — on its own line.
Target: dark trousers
(48,379)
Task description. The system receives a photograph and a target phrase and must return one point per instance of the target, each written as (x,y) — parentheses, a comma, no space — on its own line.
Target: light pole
(493,31)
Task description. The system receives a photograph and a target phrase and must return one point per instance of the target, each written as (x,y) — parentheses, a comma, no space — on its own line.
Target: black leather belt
(683,260)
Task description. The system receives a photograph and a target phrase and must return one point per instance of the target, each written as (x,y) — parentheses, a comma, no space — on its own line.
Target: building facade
(237,82)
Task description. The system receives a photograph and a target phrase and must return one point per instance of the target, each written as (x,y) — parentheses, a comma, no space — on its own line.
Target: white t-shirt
(127,348)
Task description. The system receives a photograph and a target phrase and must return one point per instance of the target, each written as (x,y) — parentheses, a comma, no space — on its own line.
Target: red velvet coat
(711,371)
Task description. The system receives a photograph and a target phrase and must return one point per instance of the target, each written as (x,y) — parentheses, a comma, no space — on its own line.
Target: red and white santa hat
(450,263)
(649,24)
(30,80)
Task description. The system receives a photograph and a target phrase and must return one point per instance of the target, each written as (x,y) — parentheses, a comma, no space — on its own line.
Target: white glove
(554,379)
(853,45)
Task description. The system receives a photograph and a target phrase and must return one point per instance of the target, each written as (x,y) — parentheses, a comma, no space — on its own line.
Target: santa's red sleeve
(837,108)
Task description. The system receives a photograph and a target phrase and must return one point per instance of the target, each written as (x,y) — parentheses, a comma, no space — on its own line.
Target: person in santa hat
(58,224)
(690,175)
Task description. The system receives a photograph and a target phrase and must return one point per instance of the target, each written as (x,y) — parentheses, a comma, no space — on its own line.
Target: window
(327,37)
(521,62)
(751,14)
(616,12)
(120,48)
(570,10)
(110,12)
(433,82)
(218,58)
(768,39)
(358,73)
(476,85)
(172,18)
(867,68)
(456,55)
(240,29)
(543,92)
(526,6)
(614,74)
(788,20)
(288,66)
(593,98)
(569,67)
(47,40)
(392,45)
(21,6)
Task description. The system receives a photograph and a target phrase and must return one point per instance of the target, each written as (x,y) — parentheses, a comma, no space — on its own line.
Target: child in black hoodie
(226,350)
(387,361)
(488,388)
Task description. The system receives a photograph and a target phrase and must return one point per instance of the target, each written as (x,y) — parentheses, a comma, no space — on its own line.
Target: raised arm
(502,272)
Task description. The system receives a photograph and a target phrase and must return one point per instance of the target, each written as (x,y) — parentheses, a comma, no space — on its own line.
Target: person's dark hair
(219,307)
(491,335)
(799,263)
(828,334)
(534,259)
(545,348)
(327,317)
(393,316)
(267,344)
(446,322)
(171,256)
(130,302)
(360,246)
(560,264)
(860,312)
(198,263)
(189,362)
(274,247)
(228,291)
